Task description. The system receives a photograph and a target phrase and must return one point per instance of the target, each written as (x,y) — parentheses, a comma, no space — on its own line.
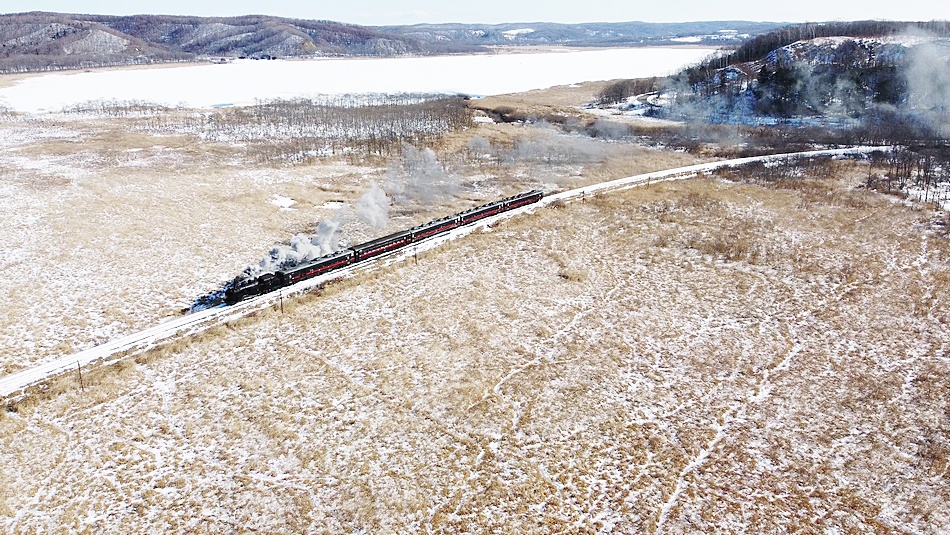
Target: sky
(389,12)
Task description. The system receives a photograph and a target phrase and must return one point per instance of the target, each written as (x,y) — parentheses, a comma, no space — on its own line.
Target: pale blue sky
(381,12)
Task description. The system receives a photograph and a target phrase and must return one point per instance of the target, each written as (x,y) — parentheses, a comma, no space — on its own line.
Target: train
(268,282)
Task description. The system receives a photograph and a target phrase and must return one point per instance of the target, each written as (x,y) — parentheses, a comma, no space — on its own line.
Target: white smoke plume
(606,129)
(372,207)
(928,85)
(550,147)
(479,147)
(419,177)
(328,232)
(302,248)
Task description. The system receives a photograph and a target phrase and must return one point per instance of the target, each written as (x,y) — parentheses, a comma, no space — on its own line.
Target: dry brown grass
(562,100)
(561,367)
(698,356)
(126,229)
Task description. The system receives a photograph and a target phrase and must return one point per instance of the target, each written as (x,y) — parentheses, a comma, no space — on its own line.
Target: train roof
(384,239)
(317,261)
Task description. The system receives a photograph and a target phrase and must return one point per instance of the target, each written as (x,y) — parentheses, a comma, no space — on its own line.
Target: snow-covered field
(694,357)
(191,324)
(106,234)
(243,82)
(109,232)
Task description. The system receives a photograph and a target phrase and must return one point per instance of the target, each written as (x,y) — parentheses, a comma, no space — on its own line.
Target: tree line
(761,45)
(923,169)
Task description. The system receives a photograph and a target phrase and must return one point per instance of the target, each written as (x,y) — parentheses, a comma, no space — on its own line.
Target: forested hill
(53,41)
(868,82)
(50,41)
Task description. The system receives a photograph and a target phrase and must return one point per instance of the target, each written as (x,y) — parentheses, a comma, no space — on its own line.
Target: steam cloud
(372,207)
(419,177)
(302,248)
(548,146)
(610,130)
(479,146)
(928,86)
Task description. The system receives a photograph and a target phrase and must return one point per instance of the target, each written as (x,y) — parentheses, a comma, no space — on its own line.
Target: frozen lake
(244,81)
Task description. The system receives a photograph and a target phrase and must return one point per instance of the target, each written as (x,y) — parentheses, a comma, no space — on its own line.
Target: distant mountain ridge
(52,41)
(435,36)
(41,41)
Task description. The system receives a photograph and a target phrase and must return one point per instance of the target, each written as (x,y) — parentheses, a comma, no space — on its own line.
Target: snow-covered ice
(243,82)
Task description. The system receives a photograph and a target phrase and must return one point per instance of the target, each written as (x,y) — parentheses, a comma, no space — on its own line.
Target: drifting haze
(928,86)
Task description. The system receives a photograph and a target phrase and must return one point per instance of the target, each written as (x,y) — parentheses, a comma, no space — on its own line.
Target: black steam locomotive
(269,282)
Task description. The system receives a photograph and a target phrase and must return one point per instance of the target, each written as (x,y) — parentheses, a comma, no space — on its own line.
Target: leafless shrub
(941,224)
(118,108)
(698,201)
(934,451)
(506,114)
(568,268)
(299,130)
(729,245)
(661,239)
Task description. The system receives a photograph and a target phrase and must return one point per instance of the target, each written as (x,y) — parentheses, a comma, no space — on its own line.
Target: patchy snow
(243,82)
(97,42)
(721,35)
(633,113)
(939,195)
(594,367)
(203,320)
(906,40)
(511,34)
(282,202)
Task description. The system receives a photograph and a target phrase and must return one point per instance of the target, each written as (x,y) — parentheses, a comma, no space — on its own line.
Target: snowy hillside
(51,41)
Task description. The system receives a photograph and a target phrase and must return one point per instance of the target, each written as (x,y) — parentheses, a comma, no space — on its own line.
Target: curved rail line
(21,384)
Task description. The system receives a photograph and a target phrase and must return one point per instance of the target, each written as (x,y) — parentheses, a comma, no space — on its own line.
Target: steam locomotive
(269,282)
